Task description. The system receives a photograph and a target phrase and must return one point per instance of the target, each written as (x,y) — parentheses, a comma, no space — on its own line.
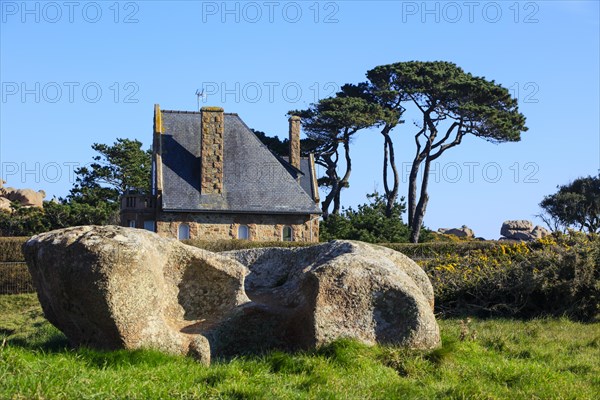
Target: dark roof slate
(306,181)
(254,180)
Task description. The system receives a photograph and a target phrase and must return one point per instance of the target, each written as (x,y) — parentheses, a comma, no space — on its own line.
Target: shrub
(369,223)
(438,249)
(555,276)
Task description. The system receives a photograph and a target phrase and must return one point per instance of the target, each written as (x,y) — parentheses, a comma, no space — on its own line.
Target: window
(286,234)
(130,202)
(243,232)
(184,232)
(149,225)
(131,223)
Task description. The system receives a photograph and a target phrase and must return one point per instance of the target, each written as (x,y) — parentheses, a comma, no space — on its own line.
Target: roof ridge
(191,112)
(180,112)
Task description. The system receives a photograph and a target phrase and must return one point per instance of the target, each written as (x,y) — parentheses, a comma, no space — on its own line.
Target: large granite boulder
(522,230)
(112,287)
(340,289)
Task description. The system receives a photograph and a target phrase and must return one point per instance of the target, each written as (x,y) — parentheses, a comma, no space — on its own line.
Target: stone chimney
(157,173)
(212,150)
(295,141)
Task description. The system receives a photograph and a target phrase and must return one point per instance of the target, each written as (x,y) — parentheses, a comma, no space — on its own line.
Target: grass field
(545,359)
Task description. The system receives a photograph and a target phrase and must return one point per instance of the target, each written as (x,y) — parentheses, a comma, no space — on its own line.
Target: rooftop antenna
(198,95)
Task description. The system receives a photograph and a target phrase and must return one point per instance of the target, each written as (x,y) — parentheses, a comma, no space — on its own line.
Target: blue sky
(75,73)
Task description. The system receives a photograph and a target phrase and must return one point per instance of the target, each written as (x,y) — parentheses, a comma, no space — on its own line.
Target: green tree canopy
(331,124)
(94,198)
(452,104)
(121,167)
(282,147)
(574,205)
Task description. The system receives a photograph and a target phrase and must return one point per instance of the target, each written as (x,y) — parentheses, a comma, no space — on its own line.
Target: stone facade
(212,150)
(185,216)
(215,226)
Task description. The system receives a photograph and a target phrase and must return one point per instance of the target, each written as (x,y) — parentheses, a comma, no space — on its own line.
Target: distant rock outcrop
(113,287)
(463,232)
(25,197)
(5,204)
(522,230)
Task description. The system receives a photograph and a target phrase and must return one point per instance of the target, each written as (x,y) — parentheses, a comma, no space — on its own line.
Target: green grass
(547,358)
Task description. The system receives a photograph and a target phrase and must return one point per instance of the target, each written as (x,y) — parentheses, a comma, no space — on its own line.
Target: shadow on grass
(55,343)
(43,337)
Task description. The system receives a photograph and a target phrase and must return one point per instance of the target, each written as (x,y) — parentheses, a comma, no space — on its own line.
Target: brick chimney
(212,150)
(295,141)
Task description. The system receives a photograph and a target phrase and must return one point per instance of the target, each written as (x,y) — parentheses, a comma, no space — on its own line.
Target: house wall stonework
(208,226)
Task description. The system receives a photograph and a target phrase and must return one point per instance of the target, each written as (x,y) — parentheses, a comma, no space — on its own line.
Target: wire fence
(15,278)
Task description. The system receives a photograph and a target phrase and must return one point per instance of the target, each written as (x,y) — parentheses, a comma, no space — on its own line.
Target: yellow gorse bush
(510,277)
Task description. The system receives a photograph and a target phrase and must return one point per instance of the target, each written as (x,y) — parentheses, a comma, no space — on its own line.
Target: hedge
(15,278)
(555,276)
(10,249)
(227,245)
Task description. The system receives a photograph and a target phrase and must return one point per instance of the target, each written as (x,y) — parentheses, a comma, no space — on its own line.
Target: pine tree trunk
(421,206)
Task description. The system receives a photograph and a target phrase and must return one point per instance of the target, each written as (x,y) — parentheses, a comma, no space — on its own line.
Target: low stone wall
(225,226)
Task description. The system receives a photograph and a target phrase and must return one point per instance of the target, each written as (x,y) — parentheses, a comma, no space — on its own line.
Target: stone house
(213,179)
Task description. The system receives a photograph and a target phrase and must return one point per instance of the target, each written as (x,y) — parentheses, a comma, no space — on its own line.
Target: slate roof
(306,180)
(254,179)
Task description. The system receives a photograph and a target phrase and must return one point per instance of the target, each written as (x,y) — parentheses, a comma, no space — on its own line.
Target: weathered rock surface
(463,231)
(522,230)
(27,197)
(539,232)
(112,287)
(341,289)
